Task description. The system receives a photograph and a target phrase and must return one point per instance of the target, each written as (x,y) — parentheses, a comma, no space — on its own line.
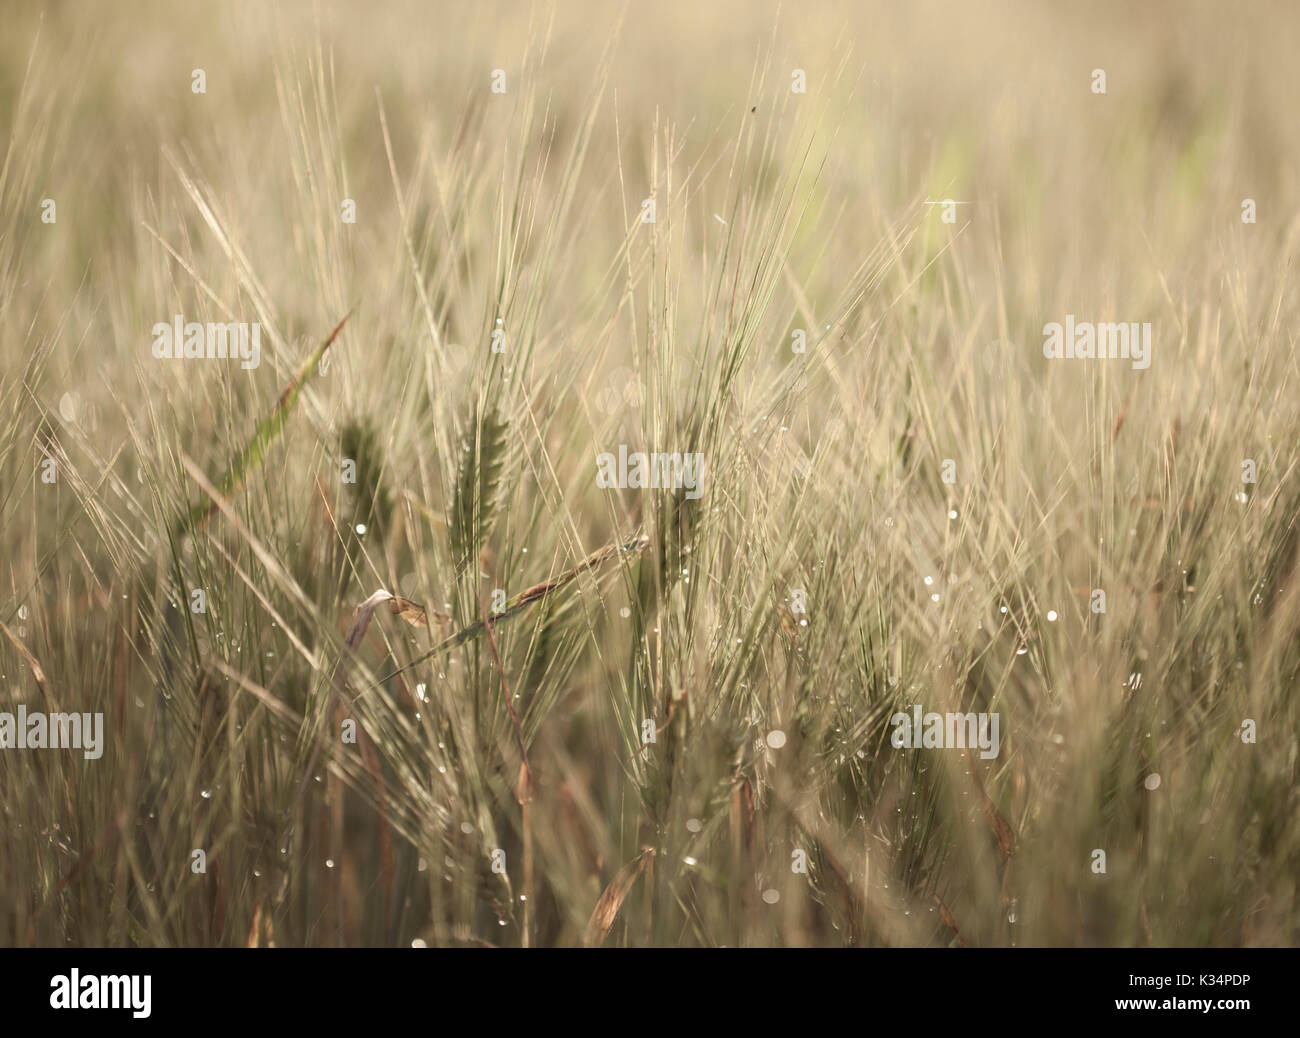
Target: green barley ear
(478,480)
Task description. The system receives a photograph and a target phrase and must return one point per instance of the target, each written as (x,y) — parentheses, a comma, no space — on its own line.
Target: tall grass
(501,632)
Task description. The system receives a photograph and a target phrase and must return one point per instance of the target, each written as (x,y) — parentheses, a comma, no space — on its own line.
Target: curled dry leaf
(361,617)
(412,612)
(611,901)
(415,614)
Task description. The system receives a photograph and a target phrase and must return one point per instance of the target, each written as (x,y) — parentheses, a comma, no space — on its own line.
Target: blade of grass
(254,452)
(525,598)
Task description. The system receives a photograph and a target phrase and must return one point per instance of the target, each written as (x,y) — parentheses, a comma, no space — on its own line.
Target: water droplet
(776,738)
(771,896)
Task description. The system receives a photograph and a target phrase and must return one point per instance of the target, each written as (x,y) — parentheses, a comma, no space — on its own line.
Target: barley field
(540,475)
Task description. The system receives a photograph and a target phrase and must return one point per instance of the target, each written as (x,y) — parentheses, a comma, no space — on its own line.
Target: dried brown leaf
(415,614)
(611,901)
(412,612)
